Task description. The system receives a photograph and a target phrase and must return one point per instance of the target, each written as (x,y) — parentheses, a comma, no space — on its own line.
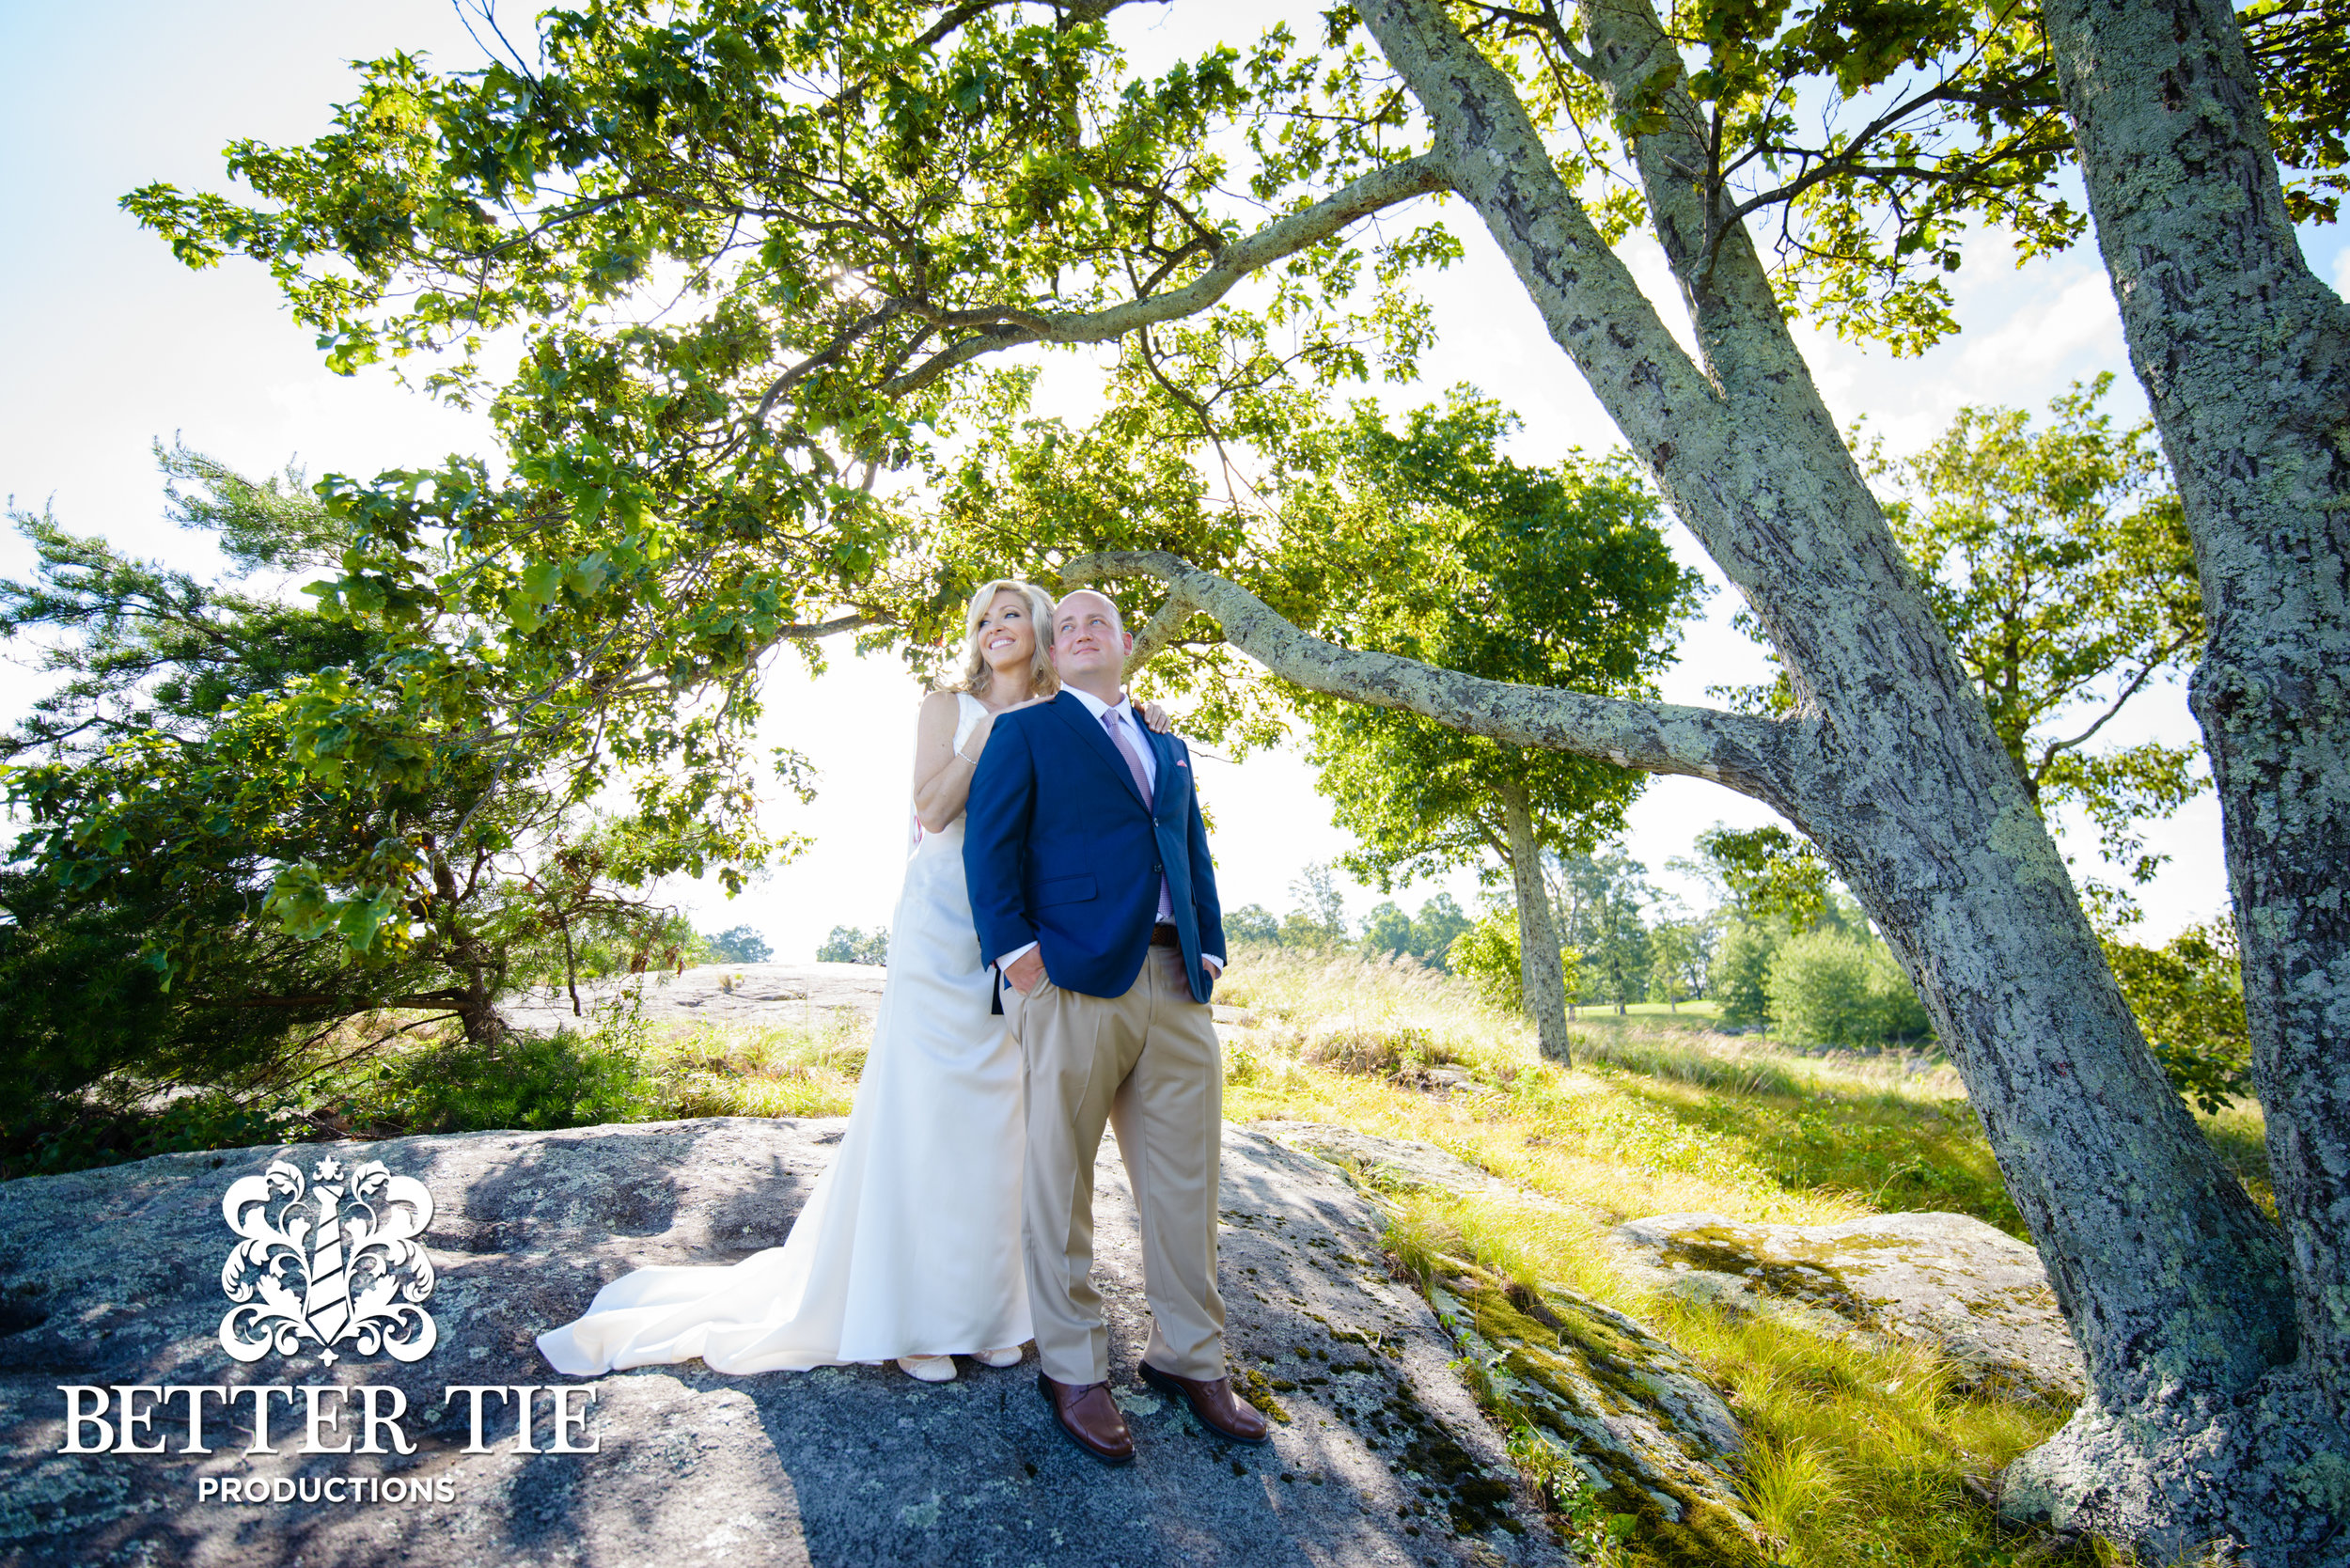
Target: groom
(1094,896)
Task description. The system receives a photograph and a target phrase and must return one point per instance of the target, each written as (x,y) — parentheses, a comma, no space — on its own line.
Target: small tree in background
(851,945)
(740,945)
(1604,896)
(1739,976)
(1428,938)
(1677,951)
(1838,987)
(1486,955)
(1319,917)
(1773,886)
(1546,576)
(1251,922)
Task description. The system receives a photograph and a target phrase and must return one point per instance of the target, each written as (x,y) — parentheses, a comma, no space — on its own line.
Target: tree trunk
(477,1011)
(2245,356)
(2170,1277)
(1542,978)
(2168,1273)
(2174,1284)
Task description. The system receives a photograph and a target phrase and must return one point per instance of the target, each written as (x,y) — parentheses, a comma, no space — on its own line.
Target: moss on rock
(1976,1294)
(1637,1419)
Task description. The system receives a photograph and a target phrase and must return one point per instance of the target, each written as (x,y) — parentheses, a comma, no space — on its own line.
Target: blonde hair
(1043,681)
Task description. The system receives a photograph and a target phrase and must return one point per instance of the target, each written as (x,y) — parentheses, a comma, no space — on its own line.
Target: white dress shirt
(1125,711)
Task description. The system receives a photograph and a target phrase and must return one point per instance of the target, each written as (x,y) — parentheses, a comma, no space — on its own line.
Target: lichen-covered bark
(2246,357)
(1541,978)
(1890,763)
(2177,1289)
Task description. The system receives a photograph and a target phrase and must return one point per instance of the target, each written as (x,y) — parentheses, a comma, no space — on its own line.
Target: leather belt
(1163,935)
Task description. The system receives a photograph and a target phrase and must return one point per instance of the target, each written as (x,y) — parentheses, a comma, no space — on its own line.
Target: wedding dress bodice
(969,711)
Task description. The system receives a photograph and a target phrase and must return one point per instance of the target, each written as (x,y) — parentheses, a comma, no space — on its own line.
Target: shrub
(61,1133)
(1829,988)
(1738,979)
(2188,997)
(1905,1016)
(537,1082)
(1374,1050)
(1486,955)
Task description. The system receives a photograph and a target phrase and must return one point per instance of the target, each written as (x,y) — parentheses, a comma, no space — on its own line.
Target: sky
(110,345)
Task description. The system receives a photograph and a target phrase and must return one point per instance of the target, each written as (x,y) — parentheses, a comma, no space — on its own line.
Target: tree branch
(1161,628)
(2155,661)
(1746,754)
(1015,325)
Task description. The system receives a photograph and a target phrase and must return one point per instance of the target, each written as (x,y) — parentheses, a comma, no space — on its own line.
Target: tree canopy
(2060,560)
(1458,556)
(154,929)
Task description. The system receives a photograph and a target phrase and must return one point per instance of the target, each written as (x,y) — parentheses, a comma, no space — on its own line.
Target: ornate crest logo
(336,1262)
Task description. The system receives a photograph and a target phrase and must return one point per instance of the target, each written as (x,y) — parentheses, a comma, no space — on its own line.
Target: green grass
(621,1068)
(1861,1454)
(1700,1013)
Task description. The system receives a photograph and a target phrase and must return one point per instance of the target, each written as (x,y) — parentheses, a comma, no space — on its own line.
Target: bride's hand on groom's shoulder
(1155,717)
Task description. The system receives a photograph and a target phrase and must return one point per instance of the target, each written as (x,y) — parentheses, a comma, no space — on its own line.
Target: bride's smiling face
(1007,632)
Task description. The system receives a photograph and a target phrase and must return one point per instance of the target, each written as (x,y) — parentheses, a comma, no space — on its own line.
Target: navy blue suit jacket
(1059,849)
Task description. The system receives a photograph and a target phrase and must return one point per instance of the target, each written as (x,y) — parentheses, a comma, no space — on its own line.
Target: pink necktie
(1119,738)
(1126,749)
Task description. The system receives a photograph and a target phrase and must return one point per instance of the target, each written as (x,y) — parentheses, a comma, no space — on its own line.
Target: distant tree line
(851,945)
(738,945)
(1779,948)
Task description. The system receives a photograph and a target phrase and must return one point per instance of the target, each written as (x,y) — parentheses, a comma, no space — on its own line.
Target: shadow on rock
(1379,1455)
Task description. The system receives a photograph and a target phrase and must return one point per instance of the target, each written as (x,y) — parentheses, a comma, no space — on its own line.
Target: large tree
(753,253)
(149,933)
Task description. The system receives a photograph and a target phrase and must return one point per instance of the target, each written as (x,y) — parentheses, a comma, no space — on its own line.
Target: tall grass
(620,1069)
(1647,1121)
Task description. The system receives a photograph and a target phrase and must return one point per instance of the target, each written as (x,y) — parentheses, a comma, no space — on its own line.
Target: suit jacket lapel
(1089,730)
(1163,759)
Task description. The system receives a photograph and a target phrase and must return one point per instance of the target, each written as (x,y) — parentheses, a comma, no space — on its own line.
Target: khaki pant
(1149,1066)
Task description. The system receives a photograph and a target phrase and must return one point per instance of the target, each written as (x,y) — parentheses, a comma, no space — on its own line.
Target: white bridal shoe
(940,1369)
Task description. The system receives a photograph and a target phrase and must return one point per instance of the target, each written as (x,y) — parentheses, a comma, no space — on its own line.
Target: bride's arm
(942,779)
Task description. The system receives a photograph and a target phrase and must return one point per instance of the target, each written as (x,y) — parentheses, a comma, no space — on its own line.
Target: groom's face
(1088,639)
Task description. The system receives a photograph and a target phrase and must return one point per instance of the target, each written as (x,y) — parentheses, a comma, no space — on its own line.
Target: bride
(909,1246)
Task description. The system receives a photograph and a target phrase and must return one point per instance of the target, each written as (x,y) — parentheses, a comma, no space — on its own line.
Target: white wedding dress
(910,1243)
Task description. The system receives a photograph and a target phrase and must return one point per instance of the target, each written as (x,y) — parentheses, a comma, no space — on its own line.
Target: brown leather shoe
(1088,1417)
(1212,1399)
